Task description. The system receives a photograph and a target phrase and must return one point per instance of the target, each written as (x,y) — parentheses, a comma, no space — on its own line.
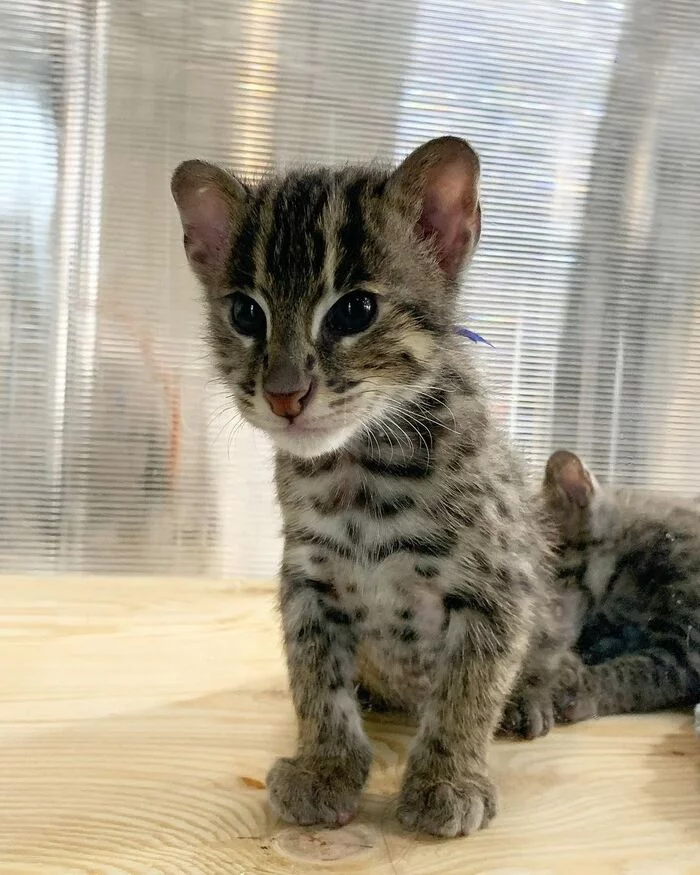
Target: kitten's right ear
(210,202)
(567,476)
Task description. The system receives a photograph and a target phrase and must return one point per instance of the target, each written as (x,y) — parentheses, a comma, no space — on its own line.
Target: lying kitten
(413,561)
(629,575)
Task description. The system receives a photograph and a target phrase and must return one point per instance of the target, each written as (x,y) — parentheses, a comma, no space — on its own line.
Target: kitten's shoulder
(652,509)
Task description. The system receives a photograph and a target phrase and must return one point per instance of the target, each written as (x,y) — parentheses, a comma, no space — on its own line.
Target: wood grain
(138,719)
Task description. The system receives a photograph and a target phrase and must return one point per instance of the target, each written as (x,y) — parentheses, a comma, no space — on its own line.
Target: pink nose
(290,404)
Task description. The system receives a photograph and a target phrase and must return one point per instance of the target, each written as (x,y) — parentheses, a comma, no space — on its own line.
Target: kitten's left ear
(440,180)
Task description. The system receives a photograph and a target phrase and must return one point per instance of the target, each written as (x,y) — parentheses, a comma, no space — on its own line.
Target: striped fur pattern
(629,578)
(413,563)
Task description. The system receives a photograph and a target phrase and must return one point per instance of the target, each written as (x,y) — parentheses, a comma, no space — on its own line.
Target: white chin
(311,445)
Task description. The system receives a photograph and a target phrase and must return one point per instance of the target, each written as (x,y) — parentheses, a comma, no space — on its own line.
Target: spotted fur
(414,564)
(629,586)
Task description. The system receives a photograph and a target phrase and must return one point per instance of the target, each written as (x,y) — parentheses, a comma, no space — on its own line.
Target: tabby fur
(414,561)
(628,568)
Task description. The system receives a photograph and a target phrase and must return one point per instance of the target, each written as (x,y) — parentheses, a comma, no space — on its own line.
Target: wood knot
(325,845)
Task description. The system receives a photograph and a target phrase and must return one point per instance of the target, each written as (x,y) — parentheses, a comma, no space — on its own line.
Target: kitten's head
(331,293)
(570,493)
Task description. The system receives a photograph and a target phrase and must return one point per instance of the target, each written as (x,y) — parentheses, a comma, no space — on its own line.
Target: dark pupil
(352,313)
(247,316)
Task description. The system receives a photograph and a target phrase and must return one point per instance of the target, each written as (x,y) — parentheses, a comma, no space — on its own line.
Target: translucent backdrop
(117,452)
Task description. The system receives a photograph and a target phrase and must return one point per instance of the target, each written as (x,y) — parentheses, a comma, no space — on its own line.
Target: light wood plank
(138,718)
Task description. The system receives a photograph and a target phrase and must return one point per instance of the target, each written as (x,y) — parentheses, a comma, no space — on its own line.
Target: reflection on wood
(138,719)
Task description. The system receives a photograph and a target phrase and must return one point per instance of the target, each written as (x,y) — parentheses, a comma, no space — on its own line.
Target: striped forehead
(304,237)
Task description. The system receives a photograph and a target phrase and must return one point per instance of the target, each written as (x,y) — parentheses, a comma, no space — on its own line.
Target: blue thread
(472,335)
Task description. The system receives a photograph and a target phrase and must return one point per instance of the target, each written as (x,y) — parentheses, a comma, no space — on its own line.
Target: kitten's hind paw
(446,809)
(573,696)
(528,716)
(571,706)
(305,793)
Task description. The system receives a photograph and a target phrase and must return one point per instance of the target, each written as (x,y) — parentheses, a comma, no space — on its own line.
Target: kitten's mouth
(295,430)
(307,426)
(301,428)
(309,439)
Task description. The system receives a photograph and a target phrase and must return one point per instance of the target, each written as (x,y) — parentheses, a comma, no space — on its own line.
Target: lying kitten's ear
(567,476)
(209,200)
(441,178)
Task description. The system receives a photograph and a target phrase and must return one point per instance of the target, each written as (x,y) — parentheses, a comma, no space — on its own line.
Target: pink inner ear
(447,227)
(575,483)
(450,215)
(207,223)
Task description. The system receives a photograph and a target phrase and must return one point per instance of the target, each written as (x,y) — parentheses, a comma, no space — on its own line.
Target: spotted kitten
(413,564)
(629,578)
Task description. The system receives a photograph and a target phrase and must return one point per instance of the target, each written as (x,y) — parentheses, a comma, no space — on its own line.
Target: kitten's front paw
(445,808)
(528,715)
(307,792)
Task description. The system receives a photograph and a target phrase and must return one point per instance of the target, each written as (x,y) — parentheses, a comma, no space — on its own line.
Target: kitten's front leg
(322,783)
(446,790)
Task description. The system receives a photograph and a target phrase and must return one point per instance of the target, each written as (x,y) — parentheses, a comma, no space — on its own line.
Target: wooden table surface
(138,718)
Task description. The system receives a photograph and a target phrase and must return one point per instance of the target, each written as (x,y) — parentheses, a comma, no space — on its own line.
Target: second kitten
(629,586)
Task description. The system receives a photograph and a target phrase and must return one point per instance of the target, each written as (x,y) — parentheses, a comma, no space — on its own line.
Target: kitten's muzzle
(290,404)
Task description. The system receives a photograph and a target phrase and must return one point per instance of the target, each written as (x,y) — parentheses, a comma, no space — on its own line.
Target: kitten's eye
(247,316)
(352,314)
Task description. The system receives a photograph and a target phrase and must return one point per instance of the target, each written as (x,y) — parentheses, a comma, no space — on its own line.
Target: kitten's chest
(393,599)
(372,520)
(389,565)
(588,572)
(388,557)
(369,517)
(400,621)
(612,578)
(392,589)
(396,604)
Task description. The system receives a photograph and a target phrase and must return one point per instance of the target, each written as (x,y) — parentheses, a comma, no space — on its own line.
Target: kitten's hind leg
(529,712)
(650,680)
